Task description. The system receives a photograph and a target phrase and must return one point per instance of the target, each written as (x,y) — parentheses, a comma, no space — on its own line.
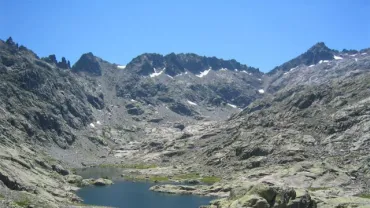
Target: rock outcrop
(88,63)
(297,136)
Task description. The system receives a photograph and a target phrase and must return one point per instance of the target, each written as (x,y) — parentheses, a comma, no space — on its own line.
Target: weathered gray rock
(102,182)
(74,179)
(59,169)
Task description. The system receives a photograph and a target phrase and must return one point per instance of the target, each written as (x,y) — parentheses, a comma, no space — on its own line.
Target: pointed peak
(89,55)
(88,63)
(319,46)
(313,55)
(10,41)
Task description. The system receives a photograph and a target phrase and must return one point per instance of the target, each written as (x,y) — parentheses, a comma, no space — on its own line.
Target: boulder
(253,201)
(74,179)
(102,182)
(181,109)
(179,126)
(135,111)
(86,182)
(59,169)
(96,101)
(98,140)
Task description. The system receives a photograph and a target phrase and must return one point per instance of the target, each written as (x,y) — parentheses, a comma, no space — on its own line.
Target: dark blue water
(125,194)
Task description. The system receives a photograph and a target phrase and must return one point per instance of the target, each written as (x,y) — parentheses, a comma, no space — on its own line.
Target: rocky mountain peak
(10,42)
(320,48)
(313,55)
(64,64)
(174,64)
(88,63)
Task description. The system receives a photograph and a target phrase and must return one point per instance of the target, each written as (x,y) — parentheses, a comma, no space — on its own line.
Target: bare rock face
(64,64)
(59,169)
(88,63)
(295,137)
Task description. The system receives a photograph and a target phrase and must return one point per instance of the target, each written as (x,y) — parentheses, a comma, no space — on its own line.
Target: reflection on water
(137,195)
(99,172)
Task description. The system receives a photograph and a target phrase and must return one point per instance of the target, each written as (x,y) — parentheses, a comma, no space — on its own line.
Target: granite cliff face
(299,131)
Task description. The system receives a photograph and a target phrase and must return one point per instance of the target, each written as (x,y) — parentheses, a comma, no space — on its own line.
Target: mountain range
(296,136)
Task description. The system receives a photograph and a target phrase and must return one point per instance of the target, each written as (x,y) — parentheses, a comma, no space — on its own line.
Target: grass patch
(73,170)
(2,197)
(187,176)
(210,179)
(365,195)
(134,178)
(23,202)
(128,166)
(318,188)
(158,178)
(144,178)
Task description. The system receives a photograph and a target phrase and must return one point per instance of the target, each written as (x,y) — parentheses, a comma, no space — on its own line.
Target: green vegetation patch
(186,176)
(2,197)
(182,177)
(23,203)
(146,178)
(318,188)
(158,178)
(210,179)
(365,195)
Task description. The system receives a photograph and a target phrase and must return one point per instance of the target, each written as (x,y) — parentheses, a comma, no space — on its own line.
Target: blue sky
(258,33)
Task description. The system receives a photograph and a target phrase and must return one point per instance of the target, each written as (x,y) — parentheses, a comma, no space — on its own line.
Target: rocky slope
(311,135)
(42,106)
(297,136)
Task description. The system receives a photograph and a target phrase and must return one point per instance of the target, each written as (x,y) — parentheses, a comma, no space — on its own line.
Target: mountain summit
(318,52)
(175,64)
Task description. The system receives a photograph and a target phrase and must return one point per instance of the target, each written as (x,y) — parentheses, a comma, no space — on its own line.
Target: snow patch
(363,54)
(356,59)
(98,122)
(223,69)
(121,67)
(236,70)
(191,103)
(311,65)
(353,55)
(186,72)
(292,69)
(92,125)
(259,79)
(247,72)
(261,91)
(323,61)
(132,100)
(204,73)
(231,105)
(169,76)
(155,74)
(337,57)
